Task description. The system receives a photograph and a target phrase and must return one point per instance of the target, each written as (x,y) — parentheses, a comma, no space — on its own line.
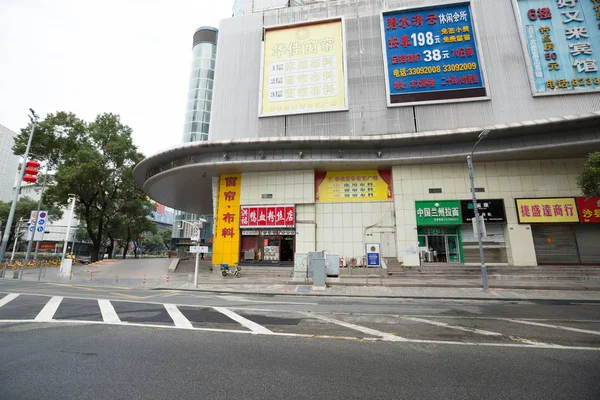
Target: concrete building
(343,123)
(8,163)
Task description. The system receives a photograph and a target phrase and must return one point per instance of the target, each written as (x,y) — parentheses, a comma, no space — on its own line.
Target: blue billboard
(431,55)
(562,42)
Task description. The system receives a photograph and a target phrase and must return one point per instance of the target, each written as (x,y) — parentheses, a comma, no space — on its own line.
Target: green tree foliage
(589,177)
(166,235)
(23,210)
(151,243)
(94,161)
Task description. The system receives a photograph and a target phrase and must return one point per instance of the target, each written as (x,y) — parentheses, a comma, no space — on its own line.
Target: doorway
(441,245)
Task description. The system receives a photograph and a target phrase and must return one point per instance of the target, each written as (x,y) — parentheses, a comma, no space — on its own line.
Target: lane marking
(460,328)
(245,300)
(8,298)
(566,328)
(49,309)
(177,316)
(253,326)
(108,311)
(363,329)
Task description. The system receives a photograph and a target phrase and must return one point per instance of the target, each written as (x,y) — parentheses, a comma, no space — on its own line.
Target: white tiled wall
(506,180)
(305,228)
(341,227)
(287,187)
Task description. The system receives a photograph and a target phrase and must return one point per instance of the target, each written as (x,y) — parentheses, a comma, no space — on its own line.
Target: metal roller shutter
(588,243)
(494,246)
(555,244)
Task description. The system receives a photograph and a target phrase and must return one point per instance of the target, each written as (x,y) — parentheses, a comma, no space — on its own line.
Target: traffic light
(31,171)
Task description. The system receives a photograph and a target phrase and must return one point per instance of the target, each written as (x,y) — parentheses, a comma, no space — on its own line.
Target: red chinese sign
(267,216)
(589,209)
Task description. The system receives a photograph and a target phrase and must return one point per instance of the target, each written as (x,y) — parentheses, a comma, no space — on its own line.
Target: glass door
(452,248)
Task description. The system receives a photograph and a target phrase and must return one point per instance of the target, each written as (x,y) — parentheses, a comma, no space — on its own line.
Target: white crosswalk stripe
(253,326)
(445,325)
(178,318)
(363,329)
(47,313)
(108,311)
(565,328)
(8,298)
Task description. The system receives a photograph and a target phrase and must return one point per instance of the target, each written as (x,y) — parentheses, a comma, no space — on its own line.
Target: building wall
(8,164)
(506,180)
(237,84)
(287,187)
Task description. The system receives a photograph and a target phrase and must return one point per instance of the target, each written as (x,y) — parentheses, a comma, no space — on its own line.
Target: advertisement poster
(303,69)
(267,216)
(373,255)
(562,209)
(226,248)
(271,253)
(340,186)
(438,212)
(589,210)
(561,40)
(431,55)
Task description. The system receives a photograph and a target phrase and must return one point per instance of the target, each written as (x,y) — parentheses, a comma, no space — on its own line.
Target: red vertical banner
(244,217)
(262,216)
(279,216)
(290,216)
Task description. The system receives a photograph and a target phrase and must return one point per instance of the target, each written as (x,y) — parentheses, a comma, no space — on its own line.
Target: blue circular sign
(41,222)
(40,229)
(31,229)
(42,215)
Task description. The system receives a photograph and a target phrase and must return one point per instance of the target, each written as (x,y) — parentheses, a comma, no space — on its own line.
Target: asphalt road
(65,341)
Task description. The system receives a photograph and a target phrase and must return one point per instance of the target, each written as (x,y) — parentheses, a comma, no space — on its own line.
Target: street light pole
(478,220)
(73,199)
(34,119)
(196,228)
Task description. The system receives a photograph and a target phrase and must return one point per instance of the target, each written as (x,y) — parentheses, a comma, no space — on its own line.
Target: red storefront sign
(267,216)
(589,209)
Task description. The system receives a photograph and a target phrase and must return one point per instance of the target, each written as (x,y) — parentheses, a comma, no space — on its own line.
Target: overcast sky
(130,57)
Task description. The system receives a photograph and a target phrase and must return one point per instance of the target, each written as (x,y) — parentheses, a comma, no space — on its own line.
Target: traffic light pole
(11,214)
(37,216)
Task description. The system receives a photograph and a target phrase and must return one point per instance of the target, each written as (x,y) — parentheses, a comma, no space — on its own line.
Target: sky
(129,57)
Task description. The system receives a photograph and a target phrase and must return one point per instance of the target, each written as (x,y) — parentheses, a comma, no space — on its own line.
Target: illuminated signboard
(562,209)
(561,40)
(430,55)
(303,69)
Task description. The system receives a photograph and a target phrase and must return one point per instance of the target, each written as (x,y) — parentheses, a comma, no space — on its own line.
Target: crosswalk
(421,329)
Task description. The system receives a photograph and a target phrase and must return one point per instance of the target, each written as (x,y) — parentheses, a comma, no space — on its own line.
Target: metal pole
(484,277)
(37,216)
(12,257)
(196,270)
(75,239)
(68,231)
(13,207)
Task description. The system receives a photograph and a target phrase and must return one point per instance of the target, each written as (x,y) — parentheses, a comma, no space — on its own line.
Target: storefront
(268,234)
(563,229)
(494,217)
(439,231)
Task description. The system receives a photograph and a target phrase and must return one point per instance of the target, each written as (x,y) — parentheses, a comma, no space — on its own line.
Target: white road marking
(179,319)
(245,300)
(253,326)
(566,328)
(8,298)
(108,311)
(363,329)
(49,309)
(460,328)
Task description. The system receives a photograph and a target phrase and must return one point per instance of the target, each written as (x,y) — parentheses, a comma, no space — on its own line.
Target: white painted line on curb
(49,309)
(253,326)
(8,298)
(245,300)
(108,311)
(460,328)
(177,316)
(566,328)
(363,329)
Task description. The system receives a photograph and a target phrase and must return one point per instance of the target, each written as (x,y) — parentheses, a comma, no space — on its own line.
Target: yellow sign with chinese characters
(226,247)
(562,209)
(340,186)
(303,69)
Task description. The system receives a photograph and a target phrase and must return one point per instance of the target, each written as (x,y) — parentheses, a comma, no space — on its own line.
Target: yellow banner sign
(226,247)
(367,185)
(303,69)
(561,209)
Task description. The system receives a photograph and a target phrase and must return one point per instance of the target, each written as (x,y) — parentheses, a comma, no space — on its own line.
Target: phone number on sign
(435,69)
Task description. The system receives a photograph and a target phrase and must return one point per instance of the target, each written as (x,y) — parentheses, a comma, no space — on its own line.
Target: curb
(296,294)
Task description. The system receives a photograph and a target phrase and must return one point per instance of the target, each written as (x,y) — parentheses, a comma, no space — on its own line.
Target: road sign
(373,255)
(41,226)
(198,249)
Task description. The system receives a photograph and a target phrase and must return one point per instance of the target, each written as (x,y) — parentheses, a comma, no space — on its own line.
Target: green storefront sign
(438,212)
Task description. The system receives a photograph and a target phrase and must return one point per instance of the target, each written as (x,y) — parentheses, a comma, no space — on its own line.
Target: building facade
(357,117)
(8,163)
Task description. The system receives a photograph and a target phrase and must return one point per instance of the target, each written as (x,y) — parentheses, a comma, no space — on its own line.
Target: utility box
(318,267)
(332,265)
(312,255)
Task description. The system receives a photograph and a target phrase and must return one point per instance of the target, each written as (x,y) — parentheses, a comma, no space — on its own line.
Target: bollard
(167,278)
(71,275)
(90,275)
(117,278)
(144,283)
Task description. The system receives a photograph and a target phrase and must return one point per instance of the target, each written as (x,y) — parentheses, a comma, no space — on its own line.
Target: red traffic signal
(31,171)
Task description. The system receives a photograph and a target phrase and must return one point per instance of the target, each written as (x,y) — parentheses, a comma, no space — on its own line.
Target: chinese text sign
(341,186)
(431,55)
(267,216)
(563,44)
(438,212)
(589,209)
(226,248)
(303,69)
(562,209)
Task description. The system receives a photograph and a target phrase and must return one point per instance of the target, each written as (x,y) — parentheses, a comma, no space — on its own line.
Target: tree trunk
(110,248)
(94,253)
(135,250)
(125,249)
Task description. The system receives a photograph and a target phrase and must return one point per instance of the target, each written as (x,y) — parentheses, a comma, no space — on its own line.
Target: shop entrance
(439,245)
(268,246)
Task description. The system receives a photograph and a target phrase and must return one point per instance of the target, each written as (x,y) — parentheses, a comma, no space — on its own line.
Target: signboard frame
(266,207)
(375,254)
(198,249)
(478,51)
(344,66)
(529,63)
(467,219)
(445,204)
(575,211)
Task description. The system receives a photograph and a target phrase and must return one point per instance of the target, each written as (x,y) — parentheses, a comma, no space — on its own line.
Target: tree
(94,161)
(589,177)
(151,242)
(24,207)
(166,235)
